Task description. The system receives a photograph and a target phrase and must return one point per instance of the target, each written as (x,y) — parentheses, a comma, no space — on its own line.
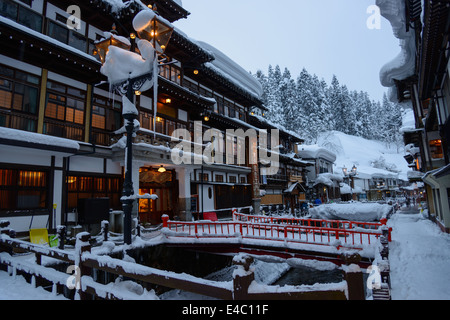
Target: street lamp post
(350,175)
(158,37)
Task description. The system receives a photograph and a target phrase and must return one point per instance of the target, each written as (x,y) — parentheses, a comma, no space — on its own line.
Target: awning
(434,177)
(293,187)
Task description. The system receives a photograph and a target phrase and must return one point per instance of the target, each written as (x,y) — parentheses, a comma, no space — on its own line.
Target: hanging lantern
(149,26)
(112,39)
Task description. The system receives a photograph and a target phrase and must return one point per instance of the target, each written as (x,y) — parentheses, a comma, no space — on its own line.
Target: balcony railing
(64,130)
(19,121)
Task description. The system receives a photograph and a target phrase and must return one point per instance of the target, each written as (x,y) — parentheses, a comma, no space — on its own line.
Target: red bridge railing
(340,224)
(324,234)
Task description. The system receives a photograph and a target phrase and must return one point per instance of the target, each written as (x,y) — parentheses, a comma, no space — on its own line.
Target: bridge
(344,243)
(323,240)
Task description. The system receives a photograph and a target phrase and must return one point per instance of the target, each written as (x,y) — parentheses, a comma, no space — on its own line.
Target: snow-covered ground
(370,156)
(419,258)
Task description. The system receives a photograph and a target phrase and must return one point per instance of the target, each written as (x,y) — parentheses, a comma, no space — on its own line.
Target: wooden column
(42,101)
(88,115)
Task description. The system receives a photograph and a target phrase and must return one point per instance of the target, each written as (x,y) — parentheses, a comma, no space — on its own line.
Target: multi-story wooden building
(286,190)
(58,118)
(421,75)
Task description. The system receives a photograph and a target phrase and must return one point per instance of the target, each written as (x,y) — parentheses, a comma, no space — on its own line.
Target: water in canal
(304,275)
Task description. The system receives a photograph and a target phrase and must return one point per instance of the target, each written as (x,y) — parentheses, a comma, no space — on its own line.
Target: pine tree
(311,107)
(274,104)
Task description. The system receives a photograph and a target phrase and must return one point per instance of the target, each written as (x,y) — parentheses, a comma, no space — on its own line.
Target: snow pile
(419,259)
(327,179)
(409,121)
(372,158)
(315,152)
(364,212)
(402,66)
(346,189)
(31,137)
(231,70)
(121,64)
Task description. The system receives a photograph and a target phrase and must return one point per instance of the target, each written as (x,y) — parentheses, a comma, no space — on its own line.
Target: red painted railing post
(165,220)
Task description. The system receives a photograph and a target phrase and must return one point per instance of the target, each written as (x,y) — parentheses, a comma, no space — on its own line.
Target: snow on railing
(242,287)
(334,236)
(339,224)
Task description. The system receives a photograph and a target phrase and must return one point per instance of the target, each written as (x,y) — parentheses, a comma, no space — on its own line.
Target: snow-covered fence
(242,287)
(356,237)
(341,224)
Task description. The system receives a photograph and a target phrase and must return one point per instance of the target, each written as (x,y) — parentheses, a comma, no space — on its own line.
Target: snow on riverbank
(364,212)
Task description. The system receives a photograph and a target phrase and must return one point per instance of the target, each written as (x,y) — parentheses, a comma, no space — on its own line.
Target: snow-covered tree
(309,106)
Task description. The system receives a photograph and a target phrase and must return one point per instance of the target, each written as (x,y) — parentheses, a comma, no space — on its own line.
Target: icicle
(155,92)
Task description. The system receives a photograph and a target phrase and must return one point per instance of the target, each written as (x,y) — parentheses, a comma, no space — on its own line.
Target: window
(106,114)
(167,110)
(20,14)
(91,187)
(219,178)
(62,106)
(58,32)
(159,125)
(19,93)
(210,193)
(171,73)
(30,19)
(146,120)
(23,189)
(219,104)
(232,179)
(170,127)
(436,149)
(106,118)
(64,112)
(64,35)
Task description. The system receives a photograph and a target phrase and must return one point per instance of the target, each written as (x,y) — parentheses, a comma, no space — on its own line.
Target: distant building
(322,181)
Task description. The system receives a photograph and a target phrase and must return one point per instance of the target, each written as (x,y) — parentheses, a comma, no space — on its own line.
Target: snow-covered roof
(36,138)
(277,126)
(178,2)
(316,152)
(232,70)
(328,179)
(403,65)
(346,189)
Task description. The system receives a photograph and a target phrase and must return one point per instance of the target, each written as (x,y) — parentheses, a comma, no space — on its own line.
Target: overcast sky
(324,36)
